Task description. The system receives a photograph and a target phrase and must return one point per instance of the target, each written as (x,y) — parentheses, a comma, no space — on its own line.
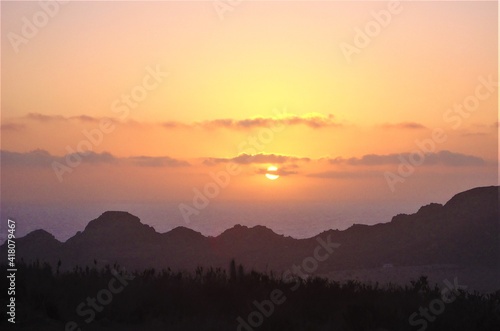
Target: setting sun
(272,173)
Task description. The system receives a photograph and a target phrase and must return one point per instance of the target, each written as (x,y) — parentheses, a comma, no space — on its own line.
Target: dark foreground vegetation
(112,299)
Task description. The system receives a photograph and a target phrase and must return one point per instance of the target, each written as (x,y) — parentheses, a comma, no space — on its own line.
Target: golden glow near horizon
(107,100)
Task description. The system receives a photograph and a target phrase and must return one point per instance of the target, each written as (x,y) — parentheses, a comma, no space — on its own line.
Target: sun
(271,173)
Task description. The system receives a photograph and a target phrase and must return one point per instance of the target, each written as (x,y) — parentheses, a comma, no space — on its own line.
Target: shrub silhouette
(212,299)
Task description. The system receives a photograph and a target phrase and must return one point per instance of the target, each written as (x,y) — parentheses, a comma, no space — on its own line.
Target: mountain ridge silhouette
(463,231)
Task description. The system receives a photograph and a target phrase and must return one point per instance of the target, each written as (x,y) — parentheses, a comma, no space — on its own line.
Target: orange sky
(166,93)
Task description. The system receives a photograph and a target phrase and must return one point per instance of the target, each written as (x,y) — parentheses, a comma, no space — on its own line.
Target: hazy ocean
(298,220)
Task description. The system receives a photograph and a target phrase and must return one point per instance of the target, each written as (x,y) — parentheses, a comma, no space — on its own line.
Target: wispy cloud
(474,134)
(174,125)
(256,158)
(315,121)
(311,120)
(446,158)
(12,127)
(161,161)
(42,158)
(404,126)
(44,118)
(345,174)
(55,118)
(36,157)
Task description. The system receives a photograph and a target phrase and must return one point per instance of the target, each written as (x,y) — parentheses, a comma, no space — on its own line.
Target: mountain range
(464,231)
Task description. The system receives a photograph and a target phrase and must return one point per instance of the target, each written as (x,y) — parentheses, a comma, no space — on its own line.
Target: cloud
(90,119)
(161,161)
(44,118)
(42,158)
(480,130)
(446,158)
(313,120)
(92,157)
(474,134)
(404,125)
(369,159)
(257,158)
(345,174)
(454,159)
(37,157)
(12,127)
(174,125)
(54,118)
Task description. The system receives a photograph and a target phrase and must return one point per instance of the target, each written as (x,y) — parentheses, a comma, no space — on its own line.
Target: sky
(192,102)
